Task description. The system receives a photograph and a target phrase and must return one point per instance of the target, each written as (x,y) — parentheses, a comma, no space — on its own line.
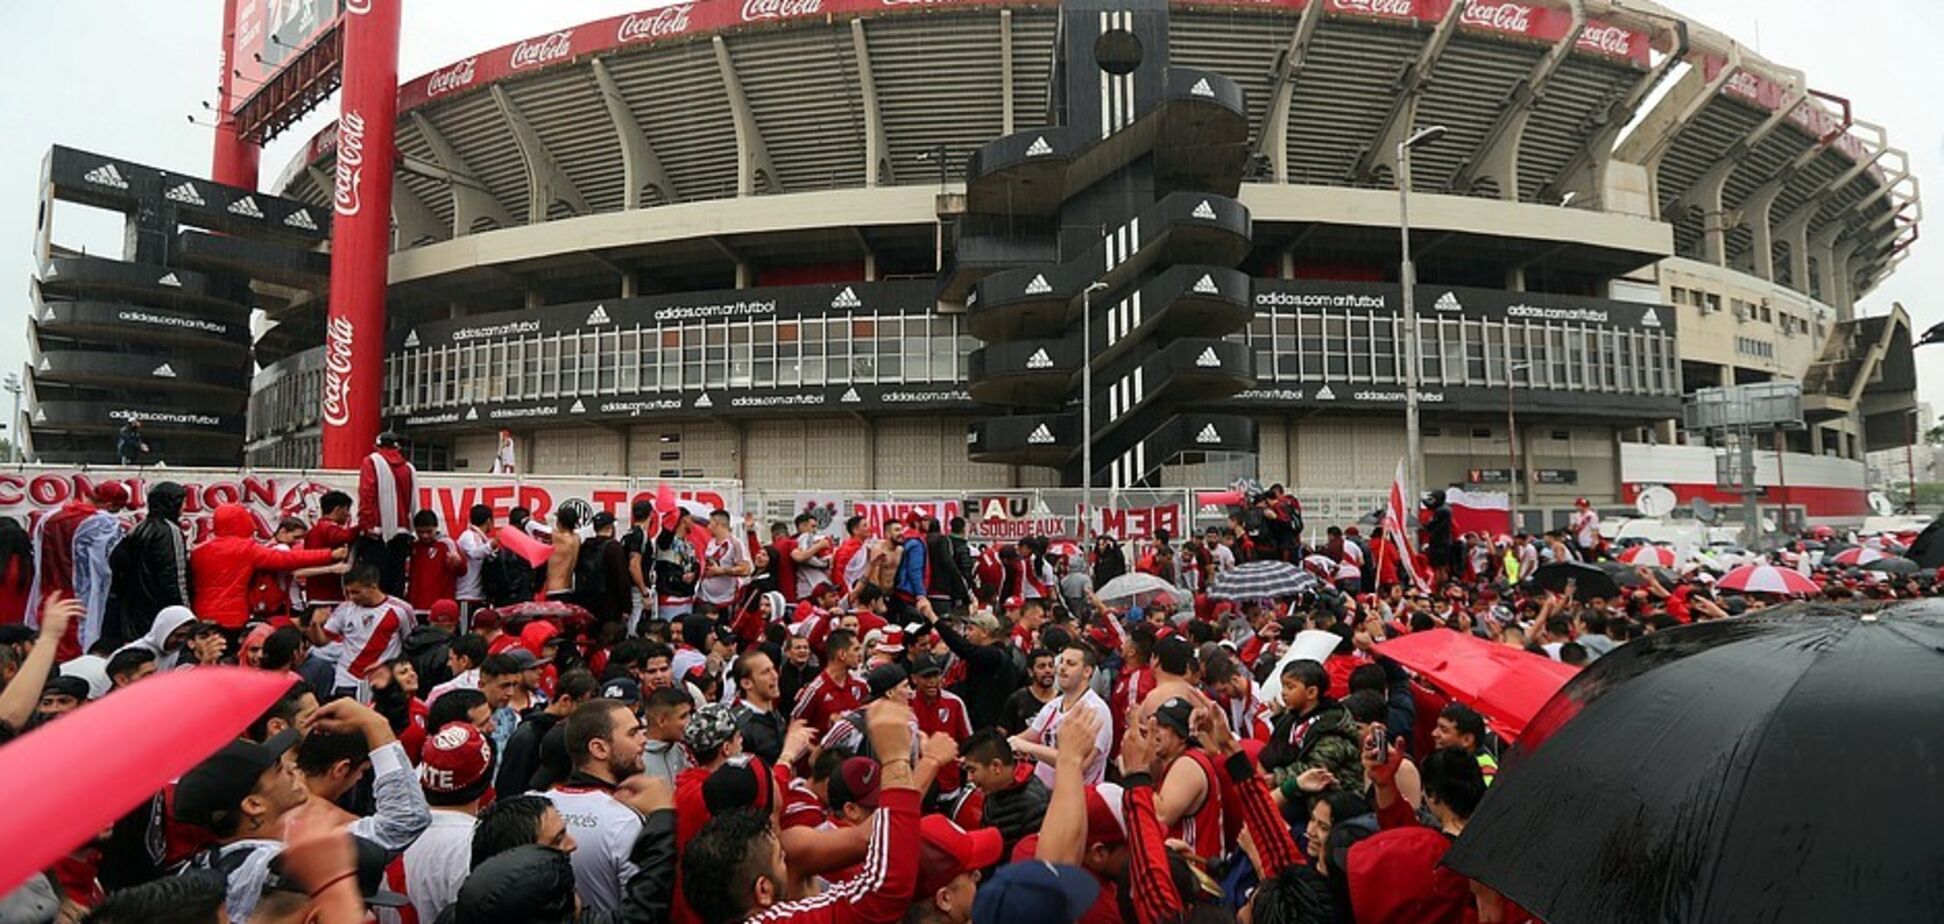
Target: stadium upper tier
(1583,105)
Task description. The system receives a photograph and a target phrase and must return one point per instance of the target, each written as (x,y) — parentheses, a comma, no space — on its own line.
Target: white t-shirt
(1586,528)
(371,635)
(437,864)
(722,553)
(604,830)
(475,548)
(1047,723)
(1223,557)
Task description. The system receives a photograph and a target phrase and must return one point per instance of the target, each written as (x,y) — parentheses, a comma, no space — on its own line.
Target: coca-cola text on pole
(354,335)
(234,160)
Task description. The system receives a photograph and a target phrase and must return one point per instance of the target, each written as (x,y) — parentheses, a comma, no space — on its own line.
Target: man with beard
(1073,672)
(1028,700)
(605,740)
(151,563)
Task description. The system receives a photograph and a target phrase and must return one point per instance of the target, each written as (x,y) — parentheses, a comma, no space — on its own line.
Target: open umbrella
(79,773)
(1138,588)
(1590,581)
(1768,579)
(1628,576)
(1892,564)
(1855,556)
(1262,580)
(1695,765)
(1505,684)
(1927,550)
(1657,555)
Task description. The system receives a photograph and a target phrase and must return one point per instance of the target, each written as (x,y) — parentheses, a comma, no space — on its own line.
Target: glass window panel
(1474,332)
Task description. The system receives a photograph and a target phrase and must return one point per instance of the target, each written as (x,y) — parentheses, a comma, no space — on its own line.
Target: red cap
(487,618)
(1104,825)
(111,492)
(951,850)
(856,781)
(455,759)
(1580,502)
(444,613)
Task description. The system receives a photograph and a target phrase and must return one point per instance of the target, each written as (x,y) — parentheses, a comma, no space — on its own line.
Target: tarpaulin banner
(1487,513)
(879,513)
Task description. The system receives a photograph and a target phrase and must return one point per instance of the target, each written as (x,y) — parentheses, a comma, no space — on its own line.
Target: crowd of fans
(823,723)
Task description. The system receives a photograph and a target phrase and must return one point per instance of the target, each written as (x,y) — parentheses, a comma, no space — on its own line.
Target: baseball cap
(454,766)
(372,860)
(487,618)
(603,520)
(111,492)
(67,685)
(710,728)
(743,781)
(950,851)
(1036,891)
(984,620)
(926,665)
(221,781)
(1105,824)
(444,612)
(883,677)
(1176,714)
(622,689)
(855,781)
(527,659)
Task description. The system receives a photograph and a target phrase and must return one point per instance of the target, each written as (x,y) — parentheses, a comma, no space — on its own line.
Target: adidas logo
(106,175)
(1040,436)
(1039,360)
(850,396)
(1039,147)
(411,339)
(1208,359)
(52,271)
(301,219)
(47,313)
(971,298)
(1448,302)
(1038,286)
(1325,394)
(1201,88)
(598,316)
(186,193)
(1208,435)
(704,402)
(472,413)
(169,280)
(971,436)
(1204,211)
(577,408)
(847,299)
(164,371)
(246,207)
(1650,319)
(45,365)
(40,416)
(1206,286)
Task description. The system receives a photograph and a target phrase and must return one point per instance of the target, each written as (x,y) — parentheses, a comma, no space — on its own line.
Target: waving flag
(1395,530)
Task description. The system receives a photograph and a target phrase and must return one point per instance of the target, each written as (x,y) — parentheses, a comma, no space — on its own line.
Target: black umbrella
(1628,576)
(1928,550)
(1695,774)
(1590,581)
(1891,564)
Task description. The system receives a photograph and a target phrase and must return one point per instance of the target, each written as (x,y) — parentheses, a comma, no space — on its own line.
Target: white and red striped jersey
(386,493)
(371,636)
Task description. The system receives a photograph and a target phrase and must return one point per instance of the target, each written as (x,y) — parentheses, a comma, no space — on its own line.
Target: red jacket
(224,565)
(326,589)
(386,465)
(433,574)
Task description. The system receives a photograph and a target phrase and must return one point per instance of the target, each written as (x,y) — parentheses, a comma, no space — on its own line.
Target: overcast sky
(124,77)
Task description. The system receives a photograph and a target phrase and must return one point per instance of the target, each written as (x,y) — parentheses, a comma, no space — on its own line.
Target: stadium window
(1481,433)
(1561,436)
(1712,301)
(1433,431)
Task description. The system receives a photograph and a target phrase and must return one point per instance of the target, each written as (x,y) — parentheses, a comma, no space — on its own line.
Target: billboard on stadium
(272,34)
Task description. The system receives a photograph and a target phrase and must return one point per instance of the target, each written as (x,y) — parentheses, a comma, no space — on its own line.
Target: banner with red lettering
(879,513)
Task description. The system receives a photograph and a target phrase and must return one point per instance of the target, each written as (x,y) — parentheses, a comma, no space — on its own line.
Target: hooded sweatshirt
(225,564)
(170,619)
(151,564)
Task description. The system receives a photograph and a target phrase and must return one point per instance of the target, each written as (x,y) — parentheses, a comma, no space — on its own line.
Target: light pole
(1407,276)
(1512,436)
(12,384)
(1086,408)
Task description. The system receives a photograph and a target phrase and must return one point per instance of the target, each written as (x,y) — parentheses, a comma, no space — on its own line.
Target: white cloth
(437,864)
(605,832)
(371,635)
(475,548)
(1047,723)
(722,553)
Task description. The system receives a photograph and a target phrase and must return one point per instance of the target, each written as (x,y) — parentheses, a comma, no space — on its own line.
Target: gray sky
(122,77)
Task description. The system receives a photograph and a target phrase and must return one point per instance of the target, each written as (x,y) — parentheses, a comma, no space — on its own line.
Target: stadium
(871,245)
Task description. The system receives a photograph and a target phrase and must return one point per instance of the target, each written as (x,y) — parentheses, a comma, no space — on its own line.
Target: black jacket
(946,579)
(1016,812)
(1109,563)
(521,757)
(428,647)
(762,732)
(991,676)
(150,566)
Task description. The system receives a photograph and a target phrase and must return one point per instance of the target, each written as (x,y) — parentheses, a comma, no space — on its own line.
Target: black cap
(372,860)
(926,665)
(224,779)
(387,438)
(623,689)
(1177,714)
(743,781)
(883,677)
(603,520)
(66,685)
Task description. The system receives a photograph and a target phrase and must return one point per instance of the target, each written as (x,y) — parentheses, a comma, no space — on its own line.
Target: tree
(1934,436)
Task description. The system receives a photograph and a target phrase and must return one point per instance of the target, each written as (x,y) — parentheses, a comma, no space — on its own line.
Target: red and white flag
(1395,530)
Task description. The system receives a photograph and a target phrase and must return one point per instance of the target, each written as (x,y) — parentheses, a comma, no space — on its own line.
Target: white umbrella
(1138,587)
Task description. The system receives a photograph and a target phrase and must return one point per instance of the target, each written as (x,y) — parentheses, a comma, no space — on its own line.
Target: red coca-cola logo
(662,23)
(1375,7)
(337,372)
(1503,17)
(457,77)
(555,47)
(348,197)
(357,7)
(1610,40)
(753,10)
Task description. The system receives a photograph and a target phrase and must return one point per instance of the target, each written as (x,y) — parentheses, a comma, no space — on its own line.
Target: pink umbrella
(1657,556)
(157,730)
(1768,579)
(1853,557)
(1505,684)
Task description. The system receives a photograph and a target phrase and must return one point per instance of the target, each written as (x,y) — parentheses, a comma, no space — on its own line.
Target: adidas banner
(1304,296)
(723,402)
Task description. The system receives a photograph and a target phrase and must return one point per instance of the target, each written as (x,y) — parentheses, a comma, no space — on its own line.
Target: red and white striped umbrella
(1768,579)
(1658,556)
(1852,557)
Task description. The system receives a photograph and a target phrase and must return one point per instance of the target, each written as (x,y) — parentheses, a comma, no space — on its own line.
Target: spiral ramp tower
(1125,204)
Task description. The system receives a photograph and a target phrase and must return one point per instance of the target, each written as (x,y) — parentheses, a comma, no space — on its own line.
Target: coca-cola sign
(337,371)
(457,77)
(1607,40)
(757,10)
(536,52)
(1393,8)
(348,197)
(1501,17)
(663,23)
(357,7)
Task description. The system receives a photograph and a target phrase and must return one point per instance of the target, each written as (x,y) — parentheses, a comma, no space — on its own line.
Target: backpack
(588,579)
(506,578)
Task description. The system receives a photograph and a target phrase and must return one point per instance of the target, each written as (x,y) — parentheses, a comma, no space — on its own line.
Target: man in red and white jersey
(835,691)
(371,625)
(386,490)
(939,711)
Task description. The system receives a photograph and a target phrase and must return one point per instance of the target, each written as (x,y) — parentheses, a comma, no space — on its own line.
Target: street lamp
(1086,407)
(1512,436)
(1407,276)
(12,384)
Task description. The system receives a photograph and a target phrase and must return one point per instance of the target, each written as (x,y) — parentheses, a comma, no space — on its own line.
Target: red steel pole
(354,334)
(234,160)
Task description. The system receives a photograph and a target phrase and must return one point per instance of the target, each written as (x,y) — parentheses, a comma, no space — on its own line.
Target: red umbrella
(1768,579)
(83,771)
(1856,555)
(1653,555)
(1505,684)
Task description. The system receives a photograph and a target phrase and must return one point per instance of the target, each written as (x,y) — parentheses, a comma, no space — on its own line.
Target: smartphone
(1380,745)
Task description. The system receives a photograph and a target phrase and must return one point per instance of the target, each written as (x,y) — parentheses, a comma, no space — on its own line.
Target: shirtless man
(566,553)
